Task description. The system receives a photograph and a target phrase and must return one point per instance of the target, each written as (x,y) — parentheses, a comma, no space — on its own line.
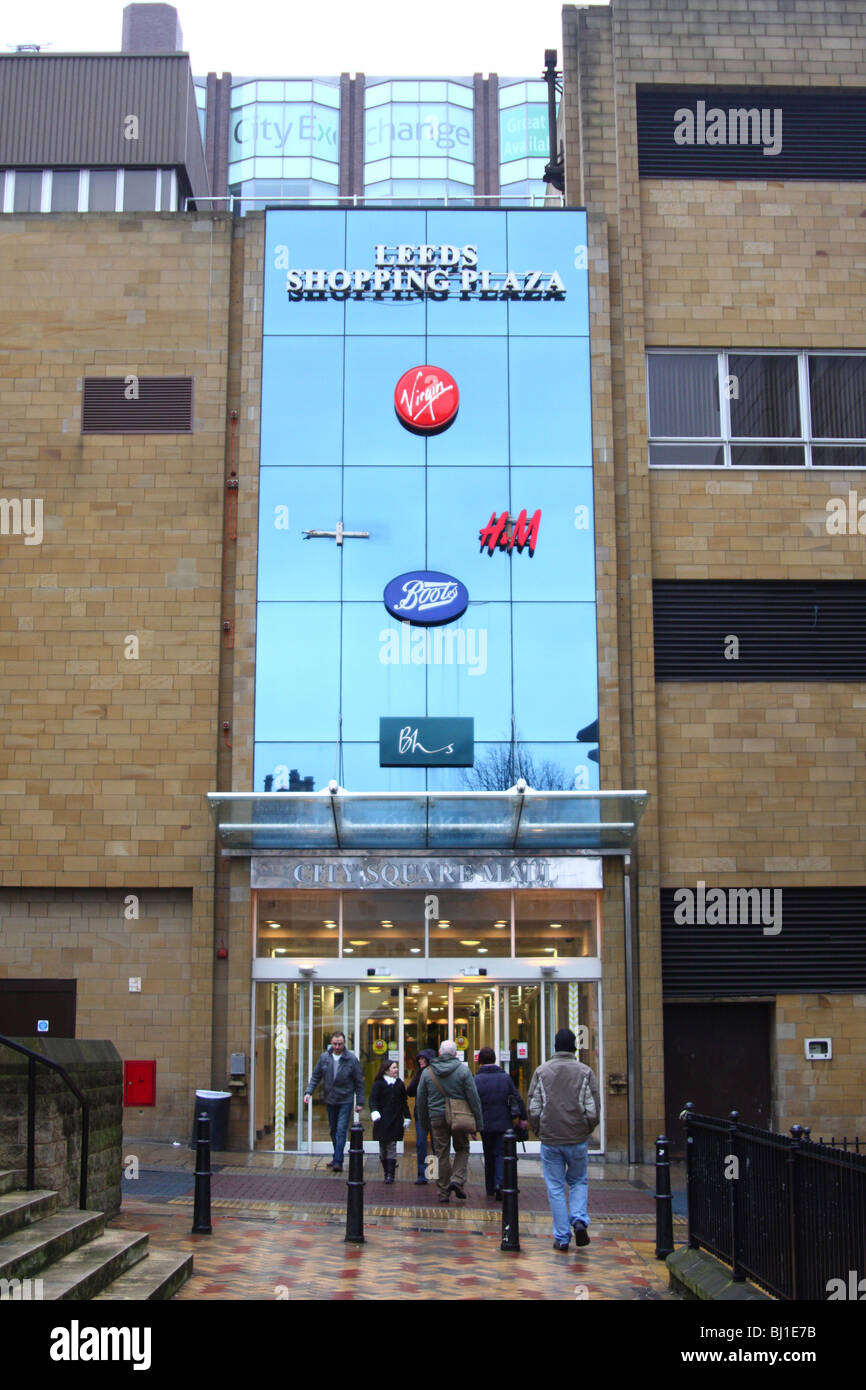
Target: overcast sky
(318,37)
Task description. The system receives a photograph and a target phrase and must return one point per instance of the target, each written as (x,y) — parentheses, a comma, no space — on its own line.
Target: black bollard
(355,1187)
(664,1201)
(510,1217)
(201,1224)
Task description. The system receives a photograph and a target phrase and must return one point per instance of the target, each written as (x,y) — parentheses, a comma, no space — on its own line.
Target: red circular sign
(426,399)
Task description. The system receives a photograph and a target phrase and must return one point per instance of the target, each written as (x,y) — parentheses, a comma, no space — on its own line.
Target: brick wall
(828,1096)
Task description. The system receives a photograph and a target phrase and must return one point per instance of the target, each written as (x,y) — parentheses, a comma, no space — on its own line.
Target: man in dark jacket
(340,1073)
(423,1060)
(498,1094)
(454,1082)
(564,1109)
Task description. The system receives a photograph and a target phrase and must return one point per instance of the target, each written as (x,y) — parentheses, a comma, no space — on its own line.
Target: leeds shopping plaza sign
(438,271)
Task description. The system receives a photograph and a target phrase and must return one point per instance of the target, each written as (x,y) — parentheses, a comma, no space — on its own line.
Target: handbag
(458,1112)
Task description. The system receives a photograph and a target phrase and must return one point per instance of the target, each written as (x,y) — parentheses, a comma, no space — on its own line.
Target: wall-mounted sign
(380,1047)
(524,130)
(438,271)
(426,742)
(523,1052)
(426,598)
(42,1025)
(426,400)
(506,533)
(407,871)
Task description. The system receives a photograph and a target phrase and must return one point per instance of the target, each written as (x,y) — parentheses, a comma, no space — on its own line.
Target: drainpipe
(630,1039)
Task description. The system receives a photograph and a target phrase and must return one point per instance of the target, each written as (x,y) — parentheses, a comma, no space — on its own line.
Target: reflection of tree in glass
(500,768)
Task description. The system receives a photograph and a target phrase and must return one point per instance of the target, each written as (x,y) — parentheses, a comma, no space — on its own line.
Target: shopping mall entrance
(385,1021)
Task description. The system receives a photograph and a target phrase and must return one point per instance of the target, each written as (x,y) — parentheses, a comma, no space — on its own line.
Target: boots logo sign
(426,400)
(426,598)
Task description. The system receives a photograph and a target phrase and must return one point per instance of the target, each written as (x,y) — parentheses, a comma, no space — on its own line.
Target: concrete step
(29,1250)
(84,1273)
(19,1209)
(159,1276)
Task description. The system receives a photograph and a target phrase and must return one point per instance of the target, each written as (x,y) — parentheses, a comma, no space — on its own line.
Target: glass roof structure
(519,819)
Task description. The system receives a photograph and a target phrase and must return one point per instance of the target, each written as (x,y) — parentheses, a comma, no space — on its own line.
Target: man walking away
(564,1109)
(340,1074)
(448,1079)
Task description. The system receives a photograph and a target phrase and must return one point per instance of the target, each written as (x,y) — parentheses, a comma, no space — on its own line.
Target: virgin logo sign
(426,399)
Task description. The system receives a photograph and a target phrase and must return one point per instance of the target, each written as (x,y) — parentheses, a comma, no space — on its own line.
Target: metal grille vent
(784,630)
(163,405)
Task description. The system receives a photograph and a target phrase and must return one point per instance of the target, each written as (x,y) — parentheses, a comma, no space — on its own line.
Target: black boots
(390,1166)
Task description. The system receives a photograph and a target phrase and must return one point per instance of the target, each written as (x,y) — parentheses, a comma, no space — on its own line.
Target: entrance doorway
(384,1021)
(718,1057)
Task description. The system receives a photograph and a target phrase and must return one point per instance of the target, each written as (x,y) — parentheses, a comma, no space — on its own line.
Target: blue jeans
(492,1144)
(338,1123)
(564,1165)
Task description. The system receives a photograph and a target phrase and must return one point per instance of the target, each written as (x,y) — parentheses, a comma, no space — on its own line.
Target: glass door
(520,1030)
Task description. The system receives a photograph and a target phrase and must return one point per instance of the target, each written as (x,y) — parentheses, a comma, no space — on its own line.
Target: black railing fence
(32,1059)
(784,1212)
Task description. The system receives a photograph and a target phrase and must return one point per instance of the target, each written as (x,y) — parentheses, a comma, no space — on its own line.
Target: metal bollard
(510,1215)
(201,1223)
(664,1200)
(355,1187)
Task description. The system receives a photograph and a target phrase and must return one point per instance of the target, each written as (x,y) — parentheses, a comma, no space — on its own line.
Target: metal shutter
(164,406)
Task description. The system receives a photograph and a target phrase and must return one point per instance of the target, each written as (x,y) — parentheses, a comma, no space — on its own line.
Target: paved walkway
(279,1225)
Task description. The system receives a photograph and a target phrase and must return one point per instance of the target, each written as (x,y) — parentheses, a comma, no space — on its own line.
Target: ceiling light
(482,950)
(556,926)
(500,925)
(446,922)
(280,951)
(347,951)
(414,950)
(375,989)
(359,943)
(470,943)
(330,926)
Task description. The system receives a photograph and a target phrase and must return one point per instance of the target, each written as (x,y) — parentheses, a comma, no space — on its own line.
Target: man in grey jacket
(340,1073)
(564,1109)
(457,1082)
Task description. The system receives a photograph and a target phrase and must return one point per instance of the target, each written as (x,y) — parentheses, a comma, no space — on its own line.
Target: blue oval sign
(426,598)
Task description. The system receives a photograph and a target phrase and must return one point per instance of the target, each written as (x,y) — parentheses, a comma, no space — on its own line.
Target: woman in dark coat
(424,1058)
(501,1102)
(389,1111)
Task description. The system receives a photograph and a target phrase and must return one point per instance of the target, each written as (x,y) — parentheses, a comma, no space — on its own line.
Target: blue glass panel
(361,771)
(459,503)
(555,669)
(326,173)
(243,94)
(559,766)
(464,173)
(461,96)
(366,230)
(392,510)
(322,92)
(297,673)
(479,435)
(280,760)
(299,376)
(547,240)
(563,566)
(512,95)
(406,168)
(274,91)
(291,501)
(434,91)
(373,434)
(469,670)
(316,240)
(405,91)
(486,232)
(384,670)
(274,168)
(550,402)
(380,169)
(377,95)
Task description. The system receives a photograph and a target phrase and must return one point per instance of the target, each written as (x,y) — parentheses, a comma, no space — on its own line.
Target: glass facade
(331,660)
(419,140)
(524,139)
(284,139)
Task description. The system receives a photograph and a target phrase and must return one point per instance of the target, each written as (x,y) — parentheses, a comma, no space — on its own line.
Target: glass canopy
(517,819)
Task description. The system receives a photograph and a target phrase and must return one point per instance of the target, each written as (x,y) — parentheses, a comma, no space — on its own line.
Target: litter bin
(214,1104)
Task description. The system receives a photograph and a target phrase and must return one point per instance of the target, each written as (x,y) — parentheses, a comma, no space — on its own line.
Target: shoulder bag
(458,1112)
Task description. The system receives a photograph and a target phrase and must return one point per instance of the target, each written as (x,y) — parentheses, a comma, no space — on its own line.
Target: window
(756,410)
(139,190)
(28,191)
(64,190)
(103,190)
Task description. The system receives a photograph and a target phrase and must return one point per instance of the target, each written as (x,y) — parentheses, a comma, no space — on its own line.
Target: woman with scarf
(389,1111)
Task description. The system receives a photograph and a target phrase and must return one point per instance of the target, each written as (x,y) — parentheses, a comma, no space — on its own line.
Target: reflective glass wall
(331,659)
(524,140)
(284,139)
(419,140)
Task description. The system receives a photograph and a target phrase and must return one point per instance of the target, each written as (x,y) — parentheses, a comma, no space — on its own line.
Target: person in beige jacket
(564,1109)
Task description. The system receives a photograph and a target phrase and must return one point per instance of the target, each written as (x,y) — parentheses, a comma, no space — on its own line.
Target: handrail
(32,1059)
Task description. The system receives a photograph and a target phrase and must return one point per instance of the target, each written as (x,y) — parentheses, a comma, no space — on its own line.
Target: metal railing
(360,200)
(32,1059)
(784,1212)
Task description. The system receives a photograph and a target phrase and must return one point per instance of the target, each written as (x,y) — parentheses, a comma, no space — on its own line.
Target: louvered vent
(784,630)
(163,406)
(820,947)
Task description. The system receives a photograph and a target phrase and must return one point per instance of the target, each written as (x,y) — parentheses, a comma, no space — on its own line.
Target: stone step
(26,1252)
(19,1209)
(86,1272)
(8,1179)
(159,1276)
